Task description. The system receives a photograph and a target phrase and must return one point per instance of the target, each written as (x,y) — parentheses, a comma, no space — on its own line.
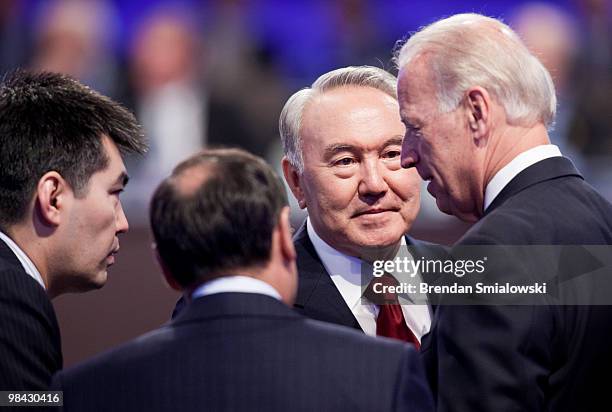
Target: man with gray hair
(476,106)
(342,141)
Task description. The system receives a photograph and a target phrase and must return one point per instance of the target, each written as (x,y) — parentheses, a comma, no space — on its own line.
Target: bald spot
(188,181)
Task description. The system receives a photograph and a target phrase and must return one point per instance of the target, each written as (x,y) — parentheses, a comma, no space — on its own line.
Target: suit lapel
(318,297)
(435,252)
(429,251)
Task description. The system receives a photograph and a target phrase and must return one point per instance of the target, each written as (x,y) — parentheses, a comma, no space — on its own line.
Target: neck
(510,143)
(272,273)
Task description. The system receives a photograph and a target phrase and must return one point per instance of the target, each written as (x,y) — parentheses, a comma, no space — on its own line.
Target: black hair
(224,222)
(51,122)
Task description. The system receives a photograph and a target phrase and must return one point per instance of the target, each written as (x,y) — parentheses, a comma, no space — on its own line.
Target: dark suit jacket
(529,358)
(30,348)
(317,297)
(247,352)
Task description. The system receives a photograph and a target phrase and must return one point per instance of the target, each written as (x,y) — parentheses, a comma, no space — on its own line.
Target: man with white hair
(476,106)
(342,141)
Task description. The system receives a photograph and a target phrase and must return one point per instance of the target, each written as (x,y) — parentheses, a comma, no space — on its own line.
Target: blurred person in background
(590,126)
(14,35)
(169,99)
(60,213)
(551,35)
(357,37)
(174,102)
(76,37)
(242,73)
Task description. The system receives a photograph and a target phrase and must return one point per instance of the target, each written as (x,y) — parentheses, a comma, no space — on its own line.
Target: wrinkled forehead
(351,115)
(417,88)
(347,103)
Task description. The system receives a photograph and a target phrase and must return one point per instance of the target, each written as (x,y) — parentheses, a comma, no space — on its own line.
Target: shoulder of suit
(131,352)
(16,284)
(351,339)
(515,220)
(7,259)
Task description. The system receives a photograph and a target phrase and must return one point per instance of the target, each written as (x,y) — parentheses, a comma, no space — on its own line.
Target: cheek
(331,193)
(105,217)
(406,184)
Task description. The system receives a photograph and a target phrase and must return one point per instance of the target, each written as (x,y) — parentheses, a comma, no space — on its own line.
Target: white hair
(290,121)
(469,50)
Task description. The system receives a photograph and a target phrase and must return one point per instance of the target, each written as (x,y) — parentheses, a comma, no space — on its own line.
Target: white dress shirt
(516,166)
(241,284)
(345,272)
(25,261)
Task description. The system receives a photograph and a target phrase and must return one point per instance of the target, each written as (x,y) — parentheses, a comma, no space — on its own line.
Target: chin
(101,280)
(444,206)
(96,282)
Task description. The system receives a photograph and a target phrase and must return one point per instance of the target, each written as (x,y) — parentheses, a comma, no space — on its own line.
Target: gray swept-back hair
(290,121)
(468,50)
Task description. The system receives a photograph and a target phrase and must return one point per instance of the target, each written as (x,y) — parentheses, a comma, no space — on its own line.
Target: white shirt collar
(241,284)
(346,274)
(25,261)
(516,166)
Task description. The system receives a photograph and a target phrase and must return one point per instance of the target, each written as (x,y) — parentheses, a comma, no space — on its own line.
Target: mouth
(110,258)
(430,182)
(374,211)
(430,188)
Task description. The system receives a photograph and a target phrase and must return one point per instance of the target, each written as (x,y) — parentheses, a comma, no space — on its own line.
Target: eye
(392,154)
(345,161)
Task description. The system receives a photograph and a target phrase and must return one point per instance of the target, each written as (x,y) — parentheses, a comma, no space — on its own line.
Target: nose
(122,224)
(373,183)
(409,157)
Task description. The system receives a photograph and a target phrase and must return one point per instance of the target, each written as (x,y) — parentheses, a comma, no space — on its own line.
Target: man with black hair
(222,235)
(60,212)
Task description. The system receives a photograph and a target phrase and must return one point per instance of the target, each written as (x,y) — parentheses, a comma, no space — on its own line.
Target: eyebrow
(394,141)
(122,179)
(334,149)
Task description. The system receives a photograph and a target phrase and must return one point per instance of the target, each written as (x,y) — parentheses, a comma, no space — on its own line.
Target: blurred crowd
(210,73)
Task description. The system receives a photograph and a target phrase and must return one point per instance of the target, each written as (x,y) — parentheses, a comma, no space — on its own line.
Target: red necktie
(390,321)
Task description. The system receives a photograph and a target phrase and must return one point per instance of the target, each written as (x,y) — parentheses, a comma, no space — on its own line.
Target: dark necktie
(390,321)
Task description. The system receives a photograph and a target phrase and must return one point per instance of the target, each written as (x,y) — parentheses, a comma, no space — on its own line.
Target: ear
(170,281)
(53,194)
(286,238)
(479,113)
(293,179)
